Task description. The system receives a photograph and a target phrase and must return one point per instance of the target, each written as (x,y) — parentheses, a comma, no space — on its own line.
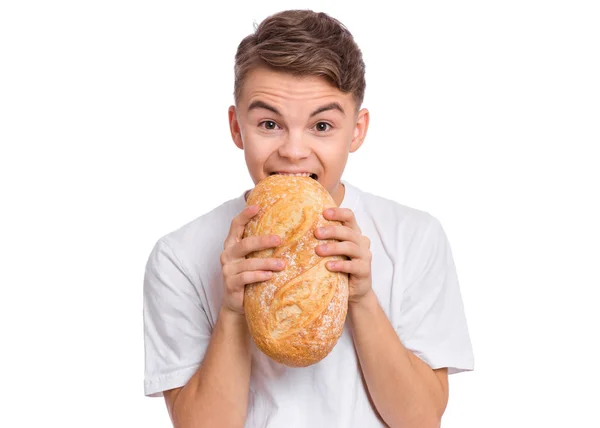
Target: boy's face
(286,124)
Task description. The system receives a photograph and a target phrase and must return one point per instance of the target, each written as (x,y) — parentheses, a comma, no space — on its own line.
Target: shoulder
(407,234)
(391,214)
(204,234)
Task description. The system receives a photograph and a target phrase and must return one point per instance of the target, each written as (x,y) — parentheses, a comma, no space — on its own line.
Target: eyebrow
(331,106)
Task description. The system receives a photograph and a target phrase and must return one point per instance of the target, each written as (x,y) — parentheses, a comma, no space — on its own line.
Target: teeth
(301,174)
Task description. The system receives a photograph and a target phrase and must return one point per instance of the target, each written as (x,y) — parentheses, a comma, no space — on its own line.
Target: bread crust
(298,315)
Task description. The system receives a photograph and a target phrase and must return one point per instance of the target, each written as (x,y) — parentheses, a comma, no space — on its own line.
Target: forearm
(405,390)
(217,394)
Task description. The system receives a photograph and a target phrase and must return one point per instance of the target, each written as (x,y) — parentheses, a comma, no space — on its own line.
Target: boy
(299,86)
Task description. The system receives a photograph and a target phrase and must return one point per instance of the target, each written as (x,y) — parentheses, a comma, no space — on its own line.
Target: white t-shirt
(414,278)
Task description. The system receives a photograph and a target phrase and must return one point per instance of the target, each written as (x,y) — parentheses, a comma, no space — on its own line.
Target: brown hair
(303,42)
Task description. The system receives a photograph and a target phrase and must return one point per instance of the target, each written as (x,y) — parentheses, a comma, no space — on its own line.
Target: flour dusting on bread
(298,315)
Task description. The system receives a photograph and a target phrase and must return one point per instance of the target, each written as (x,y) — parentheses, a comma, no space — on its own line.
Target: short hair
(303,43)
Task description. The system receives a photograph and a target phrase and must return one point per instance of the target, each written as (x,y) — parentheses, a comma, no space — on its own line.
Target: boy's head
(299,87)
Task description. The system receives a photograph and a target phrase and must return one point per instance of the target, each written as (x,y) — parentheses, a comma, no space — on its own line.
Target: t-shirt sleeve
(176,328)
(433,321)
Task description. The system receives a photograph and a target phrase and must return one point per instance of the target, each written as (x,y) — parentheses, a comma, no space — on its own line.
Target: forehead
(263,83)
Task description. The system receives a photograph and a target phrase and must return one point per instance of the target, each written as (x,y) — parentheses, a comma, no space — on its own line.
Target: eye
(323,126)
(268,124)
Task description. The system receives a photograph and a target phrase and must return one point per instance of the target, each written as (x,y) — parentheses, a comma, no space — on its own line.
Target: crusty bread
(298,315)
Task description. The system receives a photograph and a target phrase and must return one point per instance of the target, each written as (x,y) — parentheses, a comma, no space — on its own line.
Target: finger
(253,264)
(345,248)
(345,215)
(239,222)
(356,267)
(250,244)
(237,282)
(341,233)
(366,242)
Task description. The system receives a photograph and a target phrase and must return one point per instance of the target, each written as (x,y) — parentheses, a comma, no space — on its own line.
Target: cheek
(254,154)
(256,151)
(334,152)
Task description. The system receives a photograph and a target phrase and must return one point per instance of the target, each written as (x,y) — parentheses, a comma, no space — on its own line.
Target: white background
(113,131)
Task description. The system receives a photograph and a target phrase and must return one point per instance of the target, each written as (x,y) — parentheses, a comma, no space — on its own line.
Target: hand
(353,245)
(239,271)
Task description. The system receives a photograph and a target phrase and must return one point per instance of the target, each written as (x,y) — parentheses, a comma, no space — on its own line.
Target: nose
(293,147)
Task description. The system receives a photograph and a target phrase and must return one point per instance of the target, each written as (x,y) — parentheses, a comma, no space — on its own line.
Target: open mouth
(298,174)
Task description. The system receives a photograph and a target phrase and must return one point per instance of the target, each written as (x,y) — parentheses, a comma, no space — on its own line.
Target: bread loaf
(297,316)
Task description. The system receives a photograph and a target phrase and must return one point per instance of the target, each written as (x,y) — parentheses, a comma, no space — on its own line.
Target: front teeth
(302,174)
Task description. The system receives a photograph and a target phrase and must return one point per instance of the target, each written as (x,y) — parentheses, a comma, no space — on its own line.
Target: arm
(406,391)
(217,394)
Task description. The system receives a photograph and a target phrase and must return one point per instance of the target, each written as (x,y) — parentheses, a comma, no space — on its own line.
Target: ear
(360,130)
(234,128)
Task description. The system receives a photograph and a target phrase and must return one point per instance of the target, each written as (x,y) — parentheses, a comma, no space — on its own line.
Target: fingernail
(329,211)
(279,263)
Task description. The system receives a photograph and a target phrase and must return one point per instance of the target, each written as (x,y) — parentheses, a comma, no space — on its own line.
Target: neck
(338,193)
